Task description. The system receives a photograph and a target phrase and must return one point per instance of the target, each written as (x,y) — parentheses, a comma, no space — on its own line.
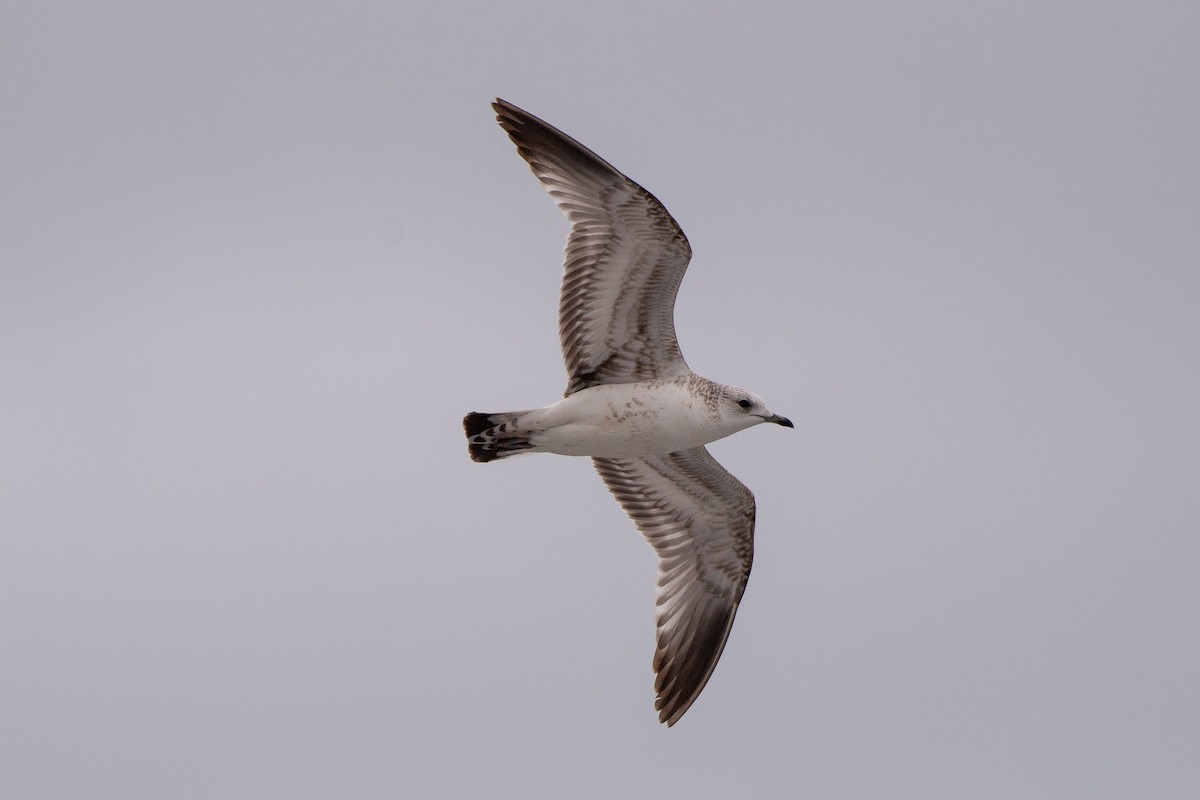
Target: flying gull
(633,405)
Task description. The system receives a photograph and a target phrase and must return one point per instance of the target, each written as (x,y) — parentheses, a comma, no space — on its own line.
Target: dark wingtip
(507,114)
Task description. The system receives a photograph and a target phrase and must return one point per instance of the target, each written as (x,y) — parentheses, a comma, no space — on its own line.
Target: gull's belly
(626,420)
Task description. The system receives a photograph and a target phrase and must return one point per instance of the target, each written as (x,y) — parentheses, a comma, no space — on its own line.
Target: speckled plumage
(634,406)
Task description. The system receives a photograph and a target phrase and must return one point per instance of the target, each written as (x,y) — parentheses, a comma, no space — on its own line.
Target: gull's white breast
(628,419)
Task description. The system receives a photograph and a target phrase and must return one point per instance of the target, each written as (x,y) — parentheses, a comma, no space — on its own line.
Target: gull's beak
(778,420)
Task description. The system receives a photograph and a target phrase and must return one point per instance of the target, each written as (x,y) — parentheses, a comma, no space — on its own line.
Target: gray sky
(259,259)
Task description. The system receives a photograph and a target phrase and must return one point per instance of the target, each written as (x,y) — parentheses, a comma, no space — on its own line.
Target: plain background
(258,259)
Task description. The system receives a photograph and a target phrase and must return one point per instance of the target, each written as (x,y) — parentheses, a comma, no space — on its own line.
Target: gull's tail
(492,436)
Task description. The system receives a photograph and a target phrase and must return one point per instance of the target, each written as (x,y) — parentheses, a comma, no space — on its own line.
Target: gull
(633,405)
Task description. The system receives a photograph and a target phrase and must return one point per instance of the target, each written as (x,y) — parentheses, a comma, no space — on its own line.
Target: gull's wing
(624,260)
(700,521)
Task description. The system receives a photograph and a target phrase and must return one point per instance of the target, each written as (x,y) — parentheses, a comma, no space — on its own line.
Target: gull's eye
(744,403)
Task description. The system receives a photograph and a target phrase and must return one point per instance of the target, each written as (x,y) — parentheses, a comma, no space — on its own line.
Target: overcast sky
(258,259)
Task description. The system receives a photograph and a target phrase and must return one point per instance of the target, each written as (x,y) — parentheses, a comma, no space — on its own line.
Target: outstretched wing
(624,260)
(700,521)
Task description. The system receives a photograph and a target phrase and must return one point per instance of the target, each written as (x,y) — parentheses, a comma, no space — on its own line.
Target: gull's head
(744,409)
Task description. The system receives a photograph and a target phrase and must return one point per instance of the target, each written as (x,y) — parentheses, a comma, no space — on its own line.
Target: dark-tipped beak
(778,420)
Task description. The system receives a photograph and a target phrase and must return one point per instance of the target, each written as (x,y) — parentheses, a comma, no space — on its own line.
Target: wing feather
(700,521)
(624,260)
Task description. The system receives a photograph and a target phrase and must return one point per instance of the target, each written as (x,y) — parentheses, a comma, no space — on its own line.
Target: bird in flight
(633,405)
